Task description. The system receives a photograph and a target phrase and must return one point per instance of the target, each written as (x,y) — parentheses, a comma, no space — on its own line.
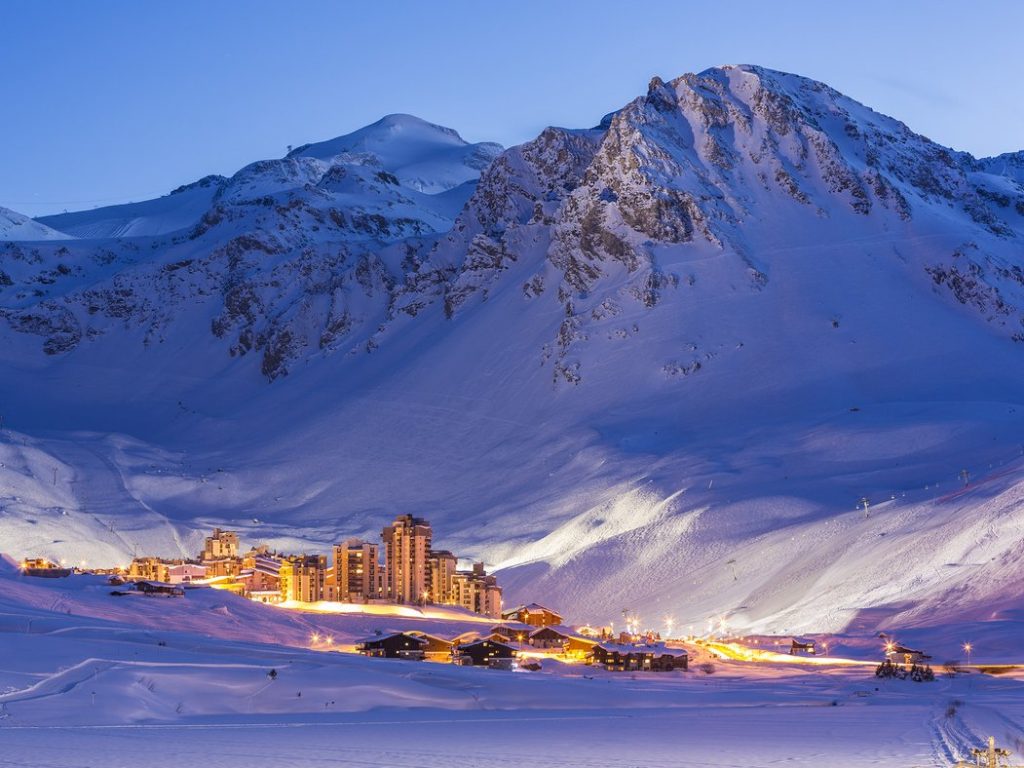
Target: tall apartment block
(356,575)
(406,558)
(442,566)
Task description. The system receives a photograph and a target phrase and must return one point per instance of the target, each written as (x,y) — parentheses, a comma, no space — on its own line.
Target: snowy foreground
(87,679)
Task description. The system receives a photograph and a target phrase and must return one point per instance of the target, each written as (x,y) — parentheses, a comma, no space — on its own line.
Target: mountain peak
(428,157)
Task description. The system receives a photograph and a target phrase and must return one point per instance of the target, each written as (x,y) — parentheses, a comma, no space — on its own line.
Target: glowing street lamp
(967,649)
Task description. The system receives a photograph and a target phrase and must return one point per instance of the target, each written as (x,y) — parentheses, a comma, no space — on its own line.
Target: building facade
(222,544)
(184,573)
(442,565)
(406,556)
(356,576)
(149,569)
(303,578)
(476,591)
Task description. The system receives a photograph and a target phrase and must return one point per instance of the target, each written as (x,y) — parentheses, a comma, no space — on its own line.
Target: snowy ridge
(17,226)
(654,364)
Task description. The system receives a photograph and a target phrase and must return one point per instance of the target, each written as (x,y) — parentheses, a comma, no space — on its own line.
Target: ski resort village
(452,385)
(411,580)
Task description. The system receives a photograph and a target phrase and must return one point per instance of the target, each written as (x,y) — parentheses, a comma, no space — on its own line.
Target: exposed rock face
(332,246)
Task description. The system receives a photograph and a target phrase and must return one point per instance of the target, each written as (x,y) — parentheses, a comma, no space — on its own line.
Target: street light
(967,649)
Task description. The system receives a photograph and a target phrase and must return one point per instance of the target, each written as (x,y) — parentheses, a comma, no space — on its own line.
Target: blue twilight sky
(114,100)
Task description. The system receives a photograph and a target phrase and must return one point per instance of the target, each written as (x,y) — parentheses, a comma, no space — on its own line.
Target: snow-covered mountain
(17,226)
(180,209)
(654,364)
(423,156)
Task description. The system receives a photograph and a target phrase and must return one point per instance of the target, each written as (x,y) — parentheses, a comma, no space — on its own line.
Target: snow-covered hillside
(652,365)
(17,226)
(180,209)
(214,678)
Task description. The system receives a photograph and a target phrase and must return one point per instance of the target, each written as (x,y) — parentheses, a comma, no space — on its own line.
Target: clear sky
(113,100)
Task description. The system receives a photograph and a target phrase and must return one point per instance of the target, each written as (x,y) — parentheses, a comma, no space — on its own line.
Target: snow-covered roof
(158,584)
(659,649)
(491,641)
(530,608)
(390,635)
(427,636)
(565,632)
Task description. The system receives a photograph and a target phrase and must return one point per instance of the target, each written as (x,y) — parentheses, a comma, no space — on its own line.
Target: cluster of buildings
(529,635)
(519,644)
(403,568)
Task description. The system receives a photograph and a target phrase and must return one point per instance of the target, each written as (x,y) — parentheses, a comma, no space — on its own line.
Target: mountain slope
(655,364)
(180,209)
(17,226)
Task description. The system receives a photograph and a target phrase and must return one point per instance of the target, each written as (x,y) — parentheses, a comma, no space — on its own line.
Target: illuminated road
(739,652)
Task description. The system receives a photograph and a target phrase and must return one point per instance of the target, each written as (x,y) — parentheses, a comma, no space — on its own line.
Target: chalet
(484,653)
(621,658)
(549,638)
(398,645)
(159,589)
(563,640)
(802,648)
(533,614)
(467,637)
(670,659)
(899,654)
(512,633)
(579,646)
(435,648)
